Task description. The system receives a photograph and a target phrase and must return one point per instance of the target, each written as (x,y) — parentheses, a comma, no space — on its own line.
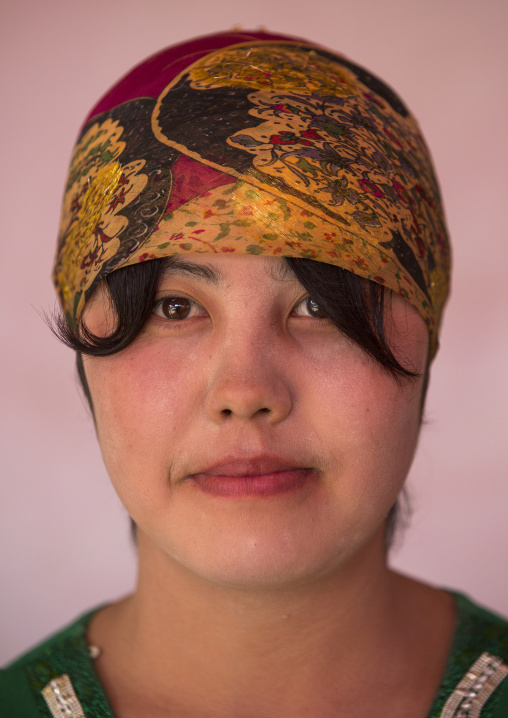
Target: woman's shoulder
(72,632)
(479,627)
(44,679)
(476,677)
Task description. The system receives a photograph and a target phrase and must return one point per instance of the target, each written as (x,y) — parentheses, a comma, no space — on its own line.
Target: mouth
(263,476)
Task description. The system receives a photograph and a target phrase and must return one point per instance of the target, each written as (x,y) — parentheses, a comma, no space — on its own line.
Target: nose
(248,382)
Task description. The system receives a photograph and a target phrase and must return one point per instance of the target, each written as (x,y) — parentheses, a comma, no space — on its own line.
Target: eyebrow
(176,265)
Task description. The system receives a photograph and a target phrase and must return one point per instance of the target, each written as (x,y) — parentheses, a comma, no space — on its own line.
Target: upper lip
(255,466)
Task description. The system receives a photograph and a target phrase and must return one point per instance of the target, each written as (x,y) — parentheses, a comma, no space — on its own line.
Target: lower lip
(278,482)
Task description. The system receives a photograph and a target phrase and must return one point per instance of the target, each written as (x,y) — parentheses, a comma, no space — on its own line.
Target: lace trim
(475,688)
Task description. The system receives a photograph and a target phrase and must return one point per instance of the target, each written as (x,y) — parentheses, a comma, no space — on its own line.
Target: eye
(308,307)
(175,308)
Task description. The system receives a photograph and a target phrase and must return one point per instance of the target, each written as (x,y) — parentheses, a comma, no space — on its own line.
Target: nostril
(229,412)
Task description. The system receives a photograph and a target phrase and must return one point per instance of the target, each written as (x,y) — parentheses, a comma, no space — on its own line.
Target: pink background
(64,535)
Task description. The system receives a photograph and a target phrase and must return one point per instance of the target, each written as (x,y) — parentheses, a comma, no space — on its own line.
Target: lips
(249,467)
(260,476)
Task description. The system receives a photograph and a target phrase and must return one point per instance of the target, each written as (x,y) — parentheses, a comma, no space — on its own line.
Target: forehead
(220,270)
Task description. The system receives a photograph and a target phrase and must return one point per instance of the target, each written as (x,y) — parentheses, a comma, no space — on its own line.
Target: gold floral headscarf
(254,144)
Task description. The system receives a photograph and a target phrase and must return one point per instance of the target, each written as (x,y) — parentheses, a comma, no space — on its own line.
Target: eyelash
(159,303)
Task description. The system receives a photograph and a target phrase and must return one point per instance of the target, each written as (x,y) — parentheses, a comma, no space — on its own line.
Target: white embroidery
(61,699)
(475,688)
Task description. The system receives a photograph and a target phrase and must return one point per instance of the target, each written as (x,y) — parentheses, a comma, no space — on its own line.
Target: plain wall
(64,535)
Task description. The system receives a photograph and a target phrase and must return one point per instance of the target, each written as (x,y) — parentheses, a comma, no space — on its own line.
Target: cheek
(368,426)
(143,402)
(354,418)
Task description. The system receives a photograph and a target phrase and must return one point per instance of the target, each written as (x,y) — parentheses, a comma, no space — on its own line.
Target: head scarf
(256,144)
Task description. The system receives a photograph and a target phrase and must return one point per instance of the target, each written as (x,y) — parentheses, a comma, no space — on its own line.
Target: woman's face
(251,441)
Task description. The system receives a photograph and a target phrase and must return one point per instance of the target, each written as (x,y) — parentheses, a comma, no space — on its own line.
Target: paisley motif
(115,194)
(267,146)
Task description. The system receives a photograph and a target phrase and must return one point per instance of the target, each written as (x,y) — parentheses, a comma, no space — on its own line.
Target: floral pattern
(246,220)
(272,67)
(113,199)
(267,147)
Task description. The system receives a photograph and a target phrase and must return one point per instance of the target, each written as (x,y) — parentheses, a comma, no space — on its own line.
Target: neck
(221,613)
(182,630)
(338,643)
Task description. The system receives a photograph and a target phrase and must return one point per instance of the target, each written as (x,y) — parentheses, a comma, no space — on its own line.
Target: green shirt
(57,678)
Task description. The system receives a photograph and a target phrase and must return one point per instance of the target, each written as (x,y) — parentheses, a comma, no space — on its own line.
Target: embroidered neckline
(466,701)
(472,675)
(475,688)
(61,699)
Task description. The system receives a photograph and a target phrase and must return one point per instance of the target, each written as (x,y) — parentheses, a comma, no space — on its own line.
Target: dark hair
(355,305)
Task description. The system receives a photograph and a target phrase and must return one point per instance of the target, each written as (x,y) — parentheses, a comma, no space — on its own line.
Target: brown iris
(176,307)
(314,309)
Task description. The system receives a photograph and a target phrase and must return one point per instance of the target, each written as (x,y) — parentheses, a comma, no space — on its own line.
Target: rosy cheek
(367,416)
(140,398)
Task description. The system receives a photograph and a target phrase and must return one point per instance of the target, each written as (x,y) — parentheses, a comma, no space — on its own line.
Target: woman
(252,265)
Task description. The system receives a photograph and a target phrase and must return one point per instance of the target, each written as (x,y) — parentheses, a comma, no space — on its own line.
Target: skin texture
(261,600)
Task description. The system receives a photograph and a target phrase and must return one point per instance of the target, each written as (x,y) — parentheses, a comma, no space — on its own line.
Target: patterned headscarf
(256,144)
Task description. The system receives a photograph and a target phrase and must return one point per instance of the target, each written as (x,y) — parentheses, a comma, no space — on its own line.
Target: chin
(273,558)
